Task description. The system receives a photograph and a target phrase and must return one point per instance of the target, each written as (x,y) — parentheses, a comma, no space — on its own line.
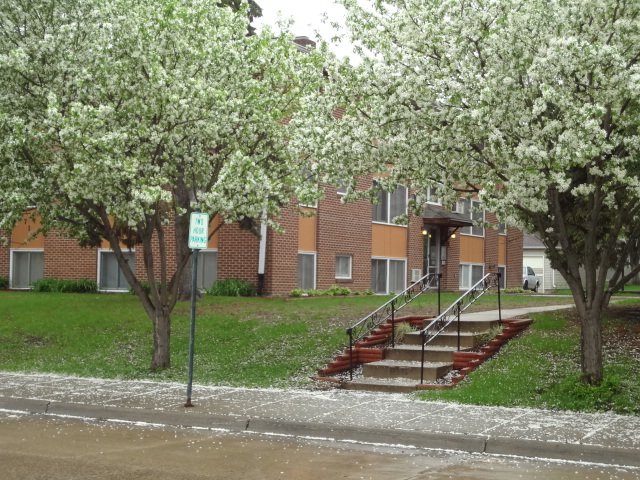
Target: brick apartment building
(353,245)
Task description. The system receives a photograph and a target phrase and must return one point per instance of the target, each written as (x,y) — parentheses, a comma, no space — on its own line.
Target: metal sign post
(198,239)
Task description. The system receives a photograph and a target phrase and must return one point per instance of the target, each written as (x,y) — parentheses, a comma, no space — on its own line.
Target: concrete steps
(414,353)
(406,369)
(398,369)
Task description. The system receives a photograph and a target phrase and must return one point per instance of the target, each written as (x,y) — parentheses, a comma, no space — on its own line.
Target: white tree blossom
(116,114)
(533,103)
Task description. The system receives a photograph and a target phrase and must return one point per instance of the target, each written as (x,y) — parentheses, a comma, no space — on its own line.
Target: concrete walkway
(337,415)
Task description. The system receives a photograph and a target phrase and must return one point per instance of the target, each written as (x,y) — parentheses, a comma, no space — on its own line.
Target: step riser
(386,371)
(367,387)
(443,340)
(416,355)
(472,326)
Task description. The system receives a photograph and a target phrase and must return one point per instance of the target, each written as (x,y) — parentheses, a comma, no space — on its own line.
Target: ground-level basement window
(343,267)
(27,266)
(388,275)
(207,268)
(110,276)
(307,270)
(470,275)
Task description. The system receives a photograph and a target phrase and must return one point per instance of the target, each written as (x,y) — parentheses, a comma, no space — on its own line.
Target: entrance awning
(434,215)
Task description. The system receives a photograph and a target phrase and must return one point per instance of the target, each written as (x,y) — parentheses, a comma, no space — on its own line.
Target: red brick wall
(344,229)
(515,241)
(415,246)
(4,255)
(451,271)
(281,262)
(237,253)
(341,229)
(491,244)
(63,258)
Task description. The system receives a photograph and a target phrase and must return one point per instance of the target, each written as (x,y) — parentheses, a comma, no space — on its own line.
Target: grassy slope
(281,342)
(541,369)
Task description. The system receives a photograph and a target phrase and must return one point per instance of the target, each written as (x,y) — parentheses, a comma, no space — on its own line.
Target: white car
(529,279)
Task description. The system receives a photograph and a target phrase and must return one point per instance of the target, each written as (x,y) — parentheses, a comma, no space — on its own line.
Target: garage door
(537,263)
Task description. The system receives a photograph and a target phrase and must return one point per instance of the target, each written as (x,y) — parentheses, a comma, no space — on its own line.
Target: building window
(502,228)
(110,276)
(503,276)
(207,268)
(343,266)
(432,196)
(27,266)
(470,275)
(307,270)
(471,209)
(388,275)
(390,205)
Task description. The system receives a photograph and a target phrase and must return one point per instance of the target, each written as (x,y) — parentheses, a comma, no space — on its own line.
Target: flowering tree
(117,115)
(532,104)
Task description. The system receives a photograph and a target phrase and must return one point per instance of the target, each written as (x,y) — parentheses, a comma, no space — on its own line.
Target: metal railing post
(439,281)
(499,302)
(422,335)
(393,323)
(459,308)
(350,333)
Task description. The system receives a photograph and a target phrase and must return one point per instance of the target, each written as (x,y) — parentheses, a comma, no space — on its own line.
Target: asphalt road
(33,447)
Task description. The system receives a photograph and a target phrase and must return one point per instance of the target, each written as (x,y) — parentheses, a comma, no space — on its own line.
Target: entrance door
(432,251)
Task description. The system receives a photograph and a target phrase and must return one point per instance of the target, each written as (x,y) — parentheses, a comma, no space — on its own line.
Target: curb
(470,443)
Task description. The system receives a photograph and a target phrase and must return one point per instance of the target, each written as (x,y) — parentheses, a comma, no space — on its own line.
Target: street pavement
(332,414)
(336,415)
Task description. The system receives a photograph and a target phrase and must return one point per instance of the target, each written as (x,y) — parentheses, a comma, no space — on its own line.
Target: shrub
(400,330)
(232,287)
(333,291)
(337,290)
(4,283)
(60,285)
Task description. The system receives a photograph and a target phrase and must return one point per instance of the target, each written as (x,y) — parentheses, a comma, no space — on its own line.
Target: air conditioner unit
(458,207)
(416,274)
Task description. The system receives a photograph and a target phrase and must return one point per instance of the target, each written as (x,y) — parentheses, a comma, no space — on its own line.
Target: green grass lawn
(282,342)
(540,368)
(239,341)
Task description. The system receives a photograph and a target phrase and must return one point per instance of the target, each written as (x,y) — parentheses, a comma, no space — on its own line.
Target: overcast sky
(307,16)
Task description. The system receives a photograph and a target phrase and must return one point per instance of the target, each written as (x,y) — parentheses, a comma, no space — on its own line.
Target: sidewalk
(338,415)
(335,414)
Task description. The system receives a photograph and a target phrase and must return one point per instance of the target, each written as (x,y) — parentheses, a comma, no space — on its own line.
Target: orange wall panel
(307,233)
(502,250)
(389,241)
(471,249)
(20,234)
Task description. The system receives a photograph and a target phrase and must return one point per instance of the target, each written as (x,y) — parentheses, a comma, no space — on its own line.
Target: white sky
(307,16)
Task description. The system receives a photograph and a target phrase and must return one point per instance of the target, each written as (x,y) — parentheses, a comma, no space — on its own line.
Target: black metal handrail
(451,314)
(388,310)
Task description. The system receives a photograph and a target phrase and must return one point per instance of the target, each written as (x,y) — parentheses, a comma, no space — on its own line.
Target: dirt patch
(35,341)
(621,332)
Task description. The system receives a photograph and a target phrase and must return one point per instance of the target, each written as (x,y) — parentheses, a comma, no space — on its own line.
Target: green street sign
(198,230)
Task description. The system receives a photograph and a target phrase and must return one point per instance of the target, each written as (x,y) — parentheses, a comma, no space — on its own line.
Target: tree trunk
(161,357)
(591,346)
(182,250)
